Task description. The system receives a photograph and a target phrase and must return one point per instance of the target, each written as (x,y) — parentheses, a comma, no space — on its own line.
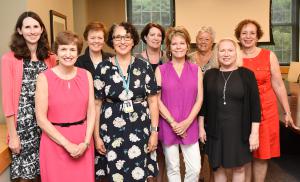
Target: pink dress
(67,103)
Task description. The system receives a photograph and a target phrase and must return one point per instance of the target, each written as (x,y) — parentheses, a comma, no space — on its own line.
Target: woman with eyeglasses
(126,130)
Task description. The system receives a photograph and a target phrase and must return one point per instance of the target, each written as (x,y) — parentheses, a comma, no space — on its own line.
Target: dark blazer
(251,104)
(85,61)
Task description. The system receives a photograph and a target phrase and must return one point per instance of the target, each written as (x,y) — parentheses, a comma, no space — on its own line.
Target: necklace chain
(148,58)
(225,85)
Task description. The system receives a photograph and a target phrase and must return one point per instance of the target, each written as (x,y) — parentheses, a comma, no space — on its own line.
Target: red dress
(269,143)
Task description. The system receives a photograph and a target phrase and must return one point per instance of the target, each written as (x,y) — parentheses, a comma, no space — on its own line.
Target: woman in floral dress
(126,90)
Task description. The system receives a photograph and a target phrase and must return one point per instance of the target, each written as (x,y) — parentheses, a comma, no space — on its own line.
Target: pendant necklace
(225,86)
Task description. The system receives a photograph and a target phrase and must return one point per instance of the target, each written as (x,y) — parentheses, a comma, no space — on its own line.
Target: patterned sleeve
(99,83)
(151,84)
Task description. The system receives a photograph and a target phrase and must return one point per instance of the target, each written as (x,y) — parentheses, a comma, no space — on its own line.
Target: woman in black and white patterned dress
(28,57)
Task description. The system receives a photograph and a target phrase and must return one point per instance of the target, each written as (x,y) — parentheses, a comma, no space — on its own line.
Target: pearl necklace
(225,86)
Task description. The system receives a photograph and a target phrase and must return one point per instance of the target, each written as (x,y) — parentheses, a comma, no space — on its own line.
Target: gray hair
(209,30)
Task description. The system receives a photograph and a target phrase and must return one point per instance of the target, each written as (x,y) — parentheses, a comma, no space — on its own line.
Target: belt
(69,124)
(136,101)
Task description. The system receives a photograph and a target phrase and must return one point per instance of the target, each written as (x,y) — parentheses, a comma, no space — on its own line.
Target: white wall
(9,12)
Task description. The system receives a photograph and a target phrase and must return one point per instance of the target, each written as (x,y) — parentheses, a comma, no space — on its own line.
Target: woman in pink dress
(66,113)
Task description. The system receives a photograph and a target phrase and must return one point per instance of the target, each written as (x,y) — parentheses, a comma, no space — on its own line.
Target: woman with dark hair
(65,111)
(266,68)
(28,57)
(153,36)
(125,89)
(95,34)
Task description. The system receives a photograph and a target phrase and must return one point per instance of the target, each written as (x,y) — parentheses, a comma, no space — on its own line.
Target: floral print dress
(26,164)
(125,135)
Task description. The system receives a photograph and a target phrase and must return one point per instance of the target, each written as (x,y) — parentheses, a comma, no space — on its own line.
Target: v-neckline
(177,75)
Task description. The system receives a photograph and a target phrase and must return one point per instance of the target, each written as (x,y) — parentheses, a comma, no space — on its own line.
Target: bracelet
(287,113)
(170,120)
(87,144)
(154,128)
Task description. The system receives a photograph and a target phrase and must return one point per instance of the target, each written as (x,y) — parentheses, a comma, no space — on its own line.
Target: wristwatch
(154,128)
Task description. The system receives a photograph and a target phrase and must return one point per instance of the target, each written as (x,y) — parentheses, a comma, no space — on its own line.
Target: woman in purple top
(179,103)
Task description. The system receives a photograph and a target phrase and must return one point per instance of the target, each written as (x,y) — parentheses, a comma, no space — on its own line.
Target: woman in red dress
(264,64)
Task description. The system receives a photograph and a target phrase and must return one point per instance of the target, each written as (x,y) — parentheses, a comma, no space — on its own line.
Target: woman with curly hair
(125,89)
(29,55)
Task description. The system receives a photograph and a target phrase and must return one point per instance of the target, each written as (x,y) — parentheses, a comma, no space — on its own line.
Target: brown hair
(239,27)
(18,44)
(95,26)
(67,38)
(147,28)
(129,29)
(176,31)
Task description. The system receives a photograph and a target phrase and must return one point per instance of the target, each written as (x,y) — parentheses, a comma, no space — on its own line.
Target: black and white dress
(125,135)
(26,164)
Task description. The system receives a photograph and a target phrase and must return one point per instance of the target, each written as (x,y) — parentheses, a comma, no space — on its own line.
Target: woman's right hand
(202,135)
(174,125)
(99,145)
(73,149)
(14,144)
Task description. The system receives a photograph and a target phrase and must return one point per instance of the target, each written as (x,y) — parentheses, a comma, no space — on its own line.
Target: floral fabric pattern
(125,135)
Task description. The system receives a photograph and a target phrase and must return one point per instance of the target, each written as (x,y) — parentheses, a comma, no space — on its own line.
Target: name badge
(128,106)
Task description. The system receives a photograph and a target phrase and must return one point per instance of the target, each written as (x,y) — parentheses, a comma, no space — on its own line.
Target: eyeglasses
(118,38)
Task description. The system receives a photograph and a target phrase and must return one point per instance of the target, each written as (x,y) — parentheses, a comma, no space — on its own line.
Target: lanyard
(125,82)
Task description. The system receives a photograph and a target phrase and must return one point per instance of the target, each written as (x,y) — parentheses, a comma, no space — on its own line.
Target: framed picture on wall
(58,23)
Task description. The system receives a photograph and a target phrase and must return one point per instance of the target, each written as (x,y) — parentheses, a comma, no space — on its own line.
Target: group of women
(102,114)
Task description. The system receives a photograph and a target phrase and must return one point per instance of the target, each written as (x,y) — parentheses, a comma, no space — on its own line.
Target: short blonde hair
(177,31)
(209,30)
(239,61)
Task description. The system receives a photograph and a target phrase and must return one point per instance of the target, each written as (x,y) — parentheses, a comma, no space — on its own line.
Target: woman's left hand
(254,141)
(152,142)
(81,149)
(180,128)
(288,120)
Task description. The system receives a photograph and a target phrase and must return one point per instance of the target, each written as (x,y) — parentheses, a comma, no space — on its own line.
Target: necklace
(225,86)
(149,58)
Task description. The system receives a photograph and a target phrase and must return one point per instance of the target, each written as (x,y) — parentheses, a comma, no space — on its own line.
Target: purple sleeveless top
(179,96)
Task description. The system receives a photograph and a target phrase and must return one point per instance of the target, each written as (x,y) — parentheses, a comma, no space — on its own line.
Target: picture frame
(58,23)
